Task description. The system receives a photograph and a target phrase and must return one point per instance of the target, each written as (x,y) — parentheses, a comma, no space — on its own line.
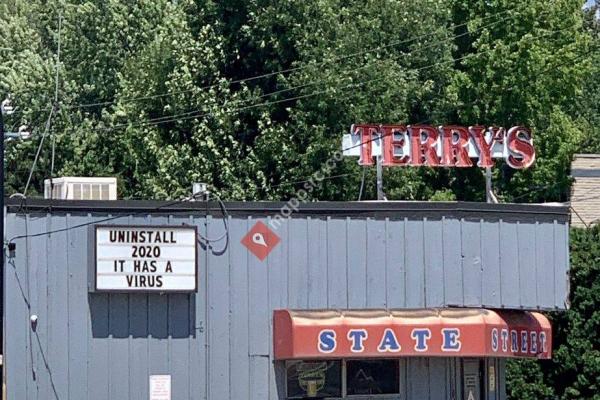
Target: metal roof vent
(81,188)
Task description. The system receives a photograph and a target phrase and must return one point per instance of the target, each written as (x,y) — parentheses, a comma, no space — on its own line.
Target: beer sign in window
(146,258)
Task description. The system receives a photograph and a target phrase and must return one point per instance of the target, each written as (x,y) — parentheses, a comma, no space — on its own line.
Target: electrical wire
(39,149)
(55,104)
(221,203)
(186,116)
(52,110)
(197,114)
(313,83)
(282,72)
(185,199)
(225,217)
(362,183)
(82,225)
(324,178)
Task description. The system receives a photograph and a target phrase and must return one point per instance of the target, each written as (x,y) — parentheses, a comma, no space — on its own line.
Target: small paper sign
(160,387)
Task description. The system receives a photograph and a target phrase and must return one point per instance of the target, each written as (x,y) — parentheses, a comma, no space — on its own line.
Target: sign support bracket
(490,197)
(379,158)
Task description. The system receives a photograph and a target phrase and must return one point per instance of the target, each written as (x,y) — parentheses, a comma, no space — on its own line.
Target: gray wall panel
(418,378)
(527,264)
(490,260)
(434,264)
(58,311)
(31,294)
(451,251)
(509,265)
(238,295)
(78,333)
(198,348)
(317,263)
(415,273)
(259,378)
(544,256)
(376,268)
(471,261)
(337,278)
(17,367)
(561,243)
(218,311)
(258,302)
(98,347)
(217,344)
(297,263)
(180,331)
(40,248)
(395,264)
(437,378)
(357,264)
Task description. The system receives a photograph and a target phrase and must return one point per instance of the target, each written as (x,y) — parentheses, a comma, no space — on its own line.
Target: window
(372,377)
(314,379)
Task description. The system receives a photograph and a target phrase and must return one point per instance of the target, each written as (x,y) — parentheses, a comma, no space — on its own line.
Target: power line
(47,128)
(39,149)
(50,232)
(187,116)
(314,83)
(224,211)
(282,72)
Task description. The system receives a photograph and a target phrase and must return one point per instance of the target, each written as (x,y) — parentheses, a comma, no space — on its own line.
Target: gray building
(63,339)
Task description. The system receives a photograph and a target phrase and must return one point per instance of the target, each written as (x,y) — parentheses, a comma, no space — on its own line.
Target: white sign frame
(191,228)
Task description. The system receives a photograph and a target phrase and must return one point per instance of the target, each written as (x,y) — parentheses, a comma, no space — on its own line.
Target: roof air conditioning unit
(81,188)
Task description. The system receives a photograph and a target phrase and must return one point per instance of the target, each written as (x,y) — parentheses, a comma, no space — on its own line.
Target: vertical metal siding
(217,343)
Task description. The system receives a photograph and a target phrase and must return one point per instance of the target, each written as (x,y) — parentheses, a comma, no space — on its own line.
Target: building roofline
(394,209)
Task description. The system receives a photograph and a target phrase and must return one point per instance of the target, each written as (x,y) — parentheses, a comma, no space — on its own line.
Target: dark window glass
(372,377)
(314,379)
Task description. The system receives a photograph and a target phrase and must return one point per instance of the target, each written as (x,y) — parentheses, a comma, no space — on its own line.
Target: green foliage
(525,381)
(587,106)
(574,371)
(171,110)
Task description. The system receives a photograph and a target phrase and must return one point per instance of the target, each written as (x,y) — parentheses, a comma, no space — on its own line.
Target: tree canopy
(252,96)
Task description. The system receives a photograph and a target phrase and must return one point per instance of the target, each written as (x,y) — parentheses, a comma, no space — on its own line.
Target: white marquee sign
(146,258)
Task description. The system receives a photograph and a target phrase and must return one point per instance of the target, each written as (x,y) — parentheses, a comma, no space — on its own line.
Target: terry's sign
(146,258)
(444,146)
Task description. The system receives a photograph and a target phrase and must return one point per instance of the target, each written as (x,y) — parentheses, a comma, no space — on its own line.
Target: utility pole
(2,232)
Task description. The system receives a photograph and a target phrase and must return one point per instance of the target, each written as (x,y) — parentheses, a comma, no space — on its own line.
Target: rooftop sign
(146,258)
(444,146)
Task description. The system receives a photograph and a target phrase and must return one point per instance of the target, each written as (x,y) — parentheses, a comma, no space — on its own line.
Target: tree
(159,95)
(574,371)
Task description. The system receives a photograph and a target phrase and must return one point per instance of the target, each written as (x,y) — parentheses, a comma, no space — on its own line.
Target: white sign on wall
(160,387)
(146,258)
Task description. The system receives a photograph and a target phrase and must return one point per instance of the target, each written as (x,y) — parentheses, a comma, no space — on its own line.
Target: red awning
(423,332)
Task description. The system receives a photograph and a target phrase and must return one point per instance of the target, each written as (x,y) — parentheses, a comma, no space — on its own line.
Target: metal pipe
(2,231)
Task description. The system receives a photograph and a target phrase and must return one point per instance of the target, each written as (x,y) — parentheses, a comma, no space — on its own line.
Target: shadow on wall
(142,315)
